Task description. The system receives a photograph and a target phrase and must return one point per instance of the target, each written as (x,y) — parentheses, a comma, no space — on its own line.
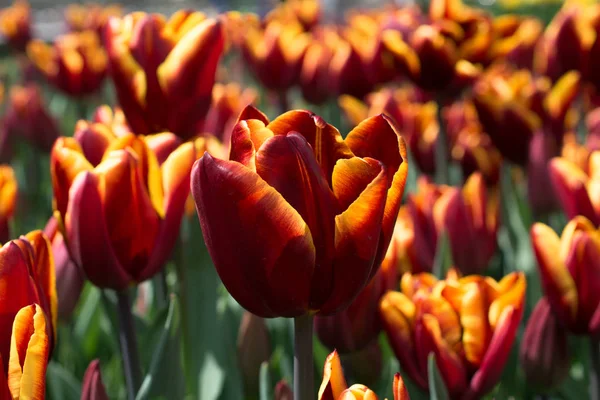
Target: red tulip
(263,232)
(93,387)
(15,24)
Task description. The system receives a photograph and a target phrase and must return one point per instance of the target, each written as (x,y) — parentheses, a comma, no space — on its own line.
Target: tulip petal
(474,320)
(251,112)
(4,390)
(377,138)
(357,236)
(497,353)
(559,286)
(570,186)
(29,352)
(269,246)
(93,387)
(513,296)
(88,235)
(176,186)
(246,138)
(94,139)
(400,391)
(333,383)
(397,313)
(325,140)
(351,176)
(162,145)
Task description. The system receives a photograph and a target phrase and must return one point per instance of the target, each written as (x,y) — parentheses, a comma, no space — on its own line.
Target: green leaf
(265,385)
(164,375)
(443,256)
(437,388)
(61,384)
(212,378)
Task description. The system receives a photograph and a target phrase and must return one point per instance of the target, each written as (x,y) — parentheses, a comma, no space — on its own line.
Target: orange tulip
(274,53)
(28,117)
(90,16)
(119,208)
(228,101)
(354,328)
(30,344)
(15,24)
(515,40)
(577,188)
(338,215)
(75,64)
(8,199)
(568,268)
(26,277)
(306,12)
(164,71)
(334,386)
(314,74)
(469,324)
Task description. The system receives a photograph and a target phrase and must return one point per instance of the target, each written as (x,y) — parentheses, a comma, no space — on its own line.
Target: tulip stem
(594,368)
(282,99)
(128,343)
(303,358)
(441,148)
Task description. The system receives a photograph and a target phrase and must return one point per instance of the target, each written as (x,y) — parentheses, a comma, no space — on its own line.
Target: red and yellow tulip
(119,207)
(164,70)
(314,213)
(76,63)
(90,16)
(15,24)
(26,278)
(469,324)
(515,40)
(23,371)
(93,387)
(569,266)
(8,199)
(334,386)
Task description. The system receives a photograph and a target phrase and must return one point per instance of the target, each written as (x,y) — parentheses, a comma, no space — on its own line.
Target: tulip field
(310,200)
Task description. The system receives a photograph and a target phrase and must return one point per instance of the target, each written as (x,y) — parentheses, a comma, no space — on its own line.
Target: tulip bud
(283,391)
(539,185)
(69,278)
(400,391)
(93,387)
(228,101)
(15,24)
(544,352)
(90,16)
(253,348)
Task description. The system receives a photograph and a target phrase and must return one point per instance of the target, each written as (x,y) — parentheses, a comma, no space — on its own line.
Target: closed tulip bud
(577,188)
(544,352)
(334,386)
(69,278)
(134,204)
(516,40)
(15,24)
(539,186)
(348,68)
(90,17)
(283,391)
(275,53)
(469,324)
(314,73)
(164,71)
(285,236)
(28,117)
(354,328)
(253,348)
(567,267)
(93,387)
(228,101)
(27,277)
(23,370)
(76,63)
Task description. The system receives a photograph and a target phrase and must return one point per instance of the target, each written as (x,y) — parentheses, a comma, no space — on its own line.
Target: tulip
(354,328)
(275,53)
(23,373)
(568,266)
(164,71)
(576,188)
(69,278)
(516,40)
(228,101)
(544,352)
(253,348)
(114,118)
(469,324)
(8,198)
(237,25)
(26,277)
(334,386)
(28,117)
(119,209)
(283,391)
(314,73)
(93,387)
(15,24)
(94,17)
(306,12)
(76,64)
(355,186)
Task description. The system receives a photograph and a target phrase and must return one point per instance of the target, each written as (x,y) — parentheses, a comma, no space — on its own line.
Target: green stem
(303,358)
(441,148)
(127,341)
(594,368)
